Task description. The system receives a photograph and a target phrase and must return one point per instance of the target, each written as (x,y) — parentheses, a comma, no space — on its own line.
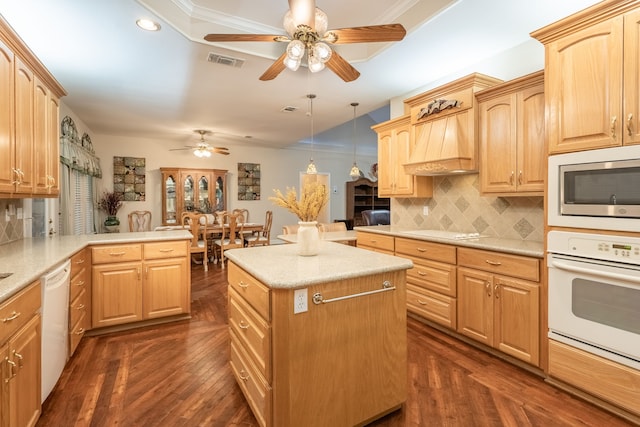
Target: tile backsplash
(458,206)
(11,228)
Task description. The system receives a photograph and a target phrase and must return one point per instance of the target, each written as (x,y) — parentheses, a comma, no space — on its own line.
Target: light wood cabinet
(512,132)
(362,194)
(394,149)
(431,283)
(79,298)
(499,302)
(375,242)
(20,348)
(128,286)
(592,89)
(28,139)
(273,370)
(192,190)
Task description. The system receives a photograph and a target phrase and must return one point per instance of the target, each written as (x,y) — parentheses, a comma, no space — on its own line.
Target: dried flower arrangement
(110,203)
(313,198)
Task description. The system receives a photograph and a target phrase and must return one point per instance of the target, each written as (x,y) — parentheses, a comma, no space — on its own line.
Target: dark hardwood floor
(178,375)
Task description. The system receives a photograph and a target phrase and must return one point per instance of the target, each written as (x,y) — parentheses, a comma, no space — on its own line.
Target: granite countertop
(29,259)
(511,246)
(280,267)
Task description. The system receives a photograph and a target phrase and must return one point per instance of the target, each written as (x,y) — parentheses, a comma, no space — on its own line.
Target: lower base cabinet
(20,349)
(337,364)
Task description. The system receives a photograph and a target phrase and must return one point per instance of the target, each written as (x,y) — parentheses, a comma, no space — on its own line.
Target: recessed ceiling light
(148,24)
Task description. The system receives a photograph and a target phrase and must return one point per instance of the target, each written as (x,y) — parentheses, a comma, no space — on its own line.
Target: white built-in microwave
(597,189)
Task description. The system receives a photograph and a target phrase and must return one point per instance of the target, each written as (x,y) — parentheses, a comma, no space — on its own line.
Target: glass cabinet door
(220,205)
(170,208)
(204,204)
(189,194)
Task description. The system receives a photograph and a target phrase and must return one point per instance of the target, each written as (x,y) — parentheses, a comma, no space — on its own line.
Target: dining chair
(243,212)
(232,235)
(191,221)
(376,217)
(332,226)
(140,221)
(290,229)
(262,237)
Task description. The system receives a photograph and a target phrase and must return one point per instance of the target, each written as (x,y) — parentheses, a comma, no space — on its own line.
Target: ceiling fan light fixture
(322,51)
(295,49)
(315,64)
(321,21)
(292,64)
(354,173)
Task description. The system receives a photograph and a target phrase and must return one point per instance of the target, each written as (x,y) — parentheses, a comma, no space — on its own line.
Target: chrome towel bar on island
(386,286)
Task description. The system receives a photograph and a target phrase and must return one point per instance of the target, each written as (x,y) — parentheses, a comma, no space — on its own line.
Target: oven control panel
(597,246)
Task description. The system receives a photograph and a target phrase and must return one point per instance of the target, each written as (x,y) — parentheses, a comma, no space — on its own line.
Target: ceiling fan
(306,26)
(202,149)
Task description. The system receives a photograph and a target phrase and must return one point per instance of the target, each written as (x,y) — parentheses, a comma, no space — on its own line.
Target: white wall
(279,169)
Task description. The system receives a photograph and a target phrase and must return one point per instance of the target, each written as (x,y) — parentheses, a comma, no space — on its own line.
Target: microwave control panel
(596,246)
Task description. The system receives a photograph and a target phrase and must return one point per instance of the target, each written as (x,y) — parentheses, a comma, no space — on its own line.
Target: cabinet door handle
(520,178)
(511,177)
(243,375)
(13,316)
(496,288)
(243,325)
(492,262)
(614,119)
(487,287)
(12,370)
(629,123)
(20,359)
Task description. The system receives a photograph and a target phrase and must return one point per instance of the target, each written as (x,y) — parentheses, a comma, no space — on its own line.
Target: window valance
(78,153)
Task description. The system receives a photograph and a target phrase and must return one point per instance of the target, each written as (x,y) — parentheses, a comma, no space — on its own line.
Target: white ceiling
(124,81)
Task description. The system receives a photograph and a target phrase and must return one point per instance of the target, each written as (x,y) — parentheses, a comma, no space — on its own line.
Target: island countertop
(29,259)
(279,266)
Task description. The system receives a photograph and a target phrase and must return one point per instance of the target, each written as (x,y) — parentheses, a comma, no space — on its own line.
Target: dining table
(348,237)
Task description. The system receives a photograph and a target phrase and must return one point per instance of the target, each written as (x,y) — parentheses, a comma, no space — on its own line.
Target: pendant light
(355,171)
(311,168)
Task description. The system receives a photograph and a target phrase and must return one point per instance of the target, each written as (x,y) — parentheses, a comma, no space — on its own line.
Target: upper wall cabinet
(591,74)
(29,131)
(512,155)
(394,149)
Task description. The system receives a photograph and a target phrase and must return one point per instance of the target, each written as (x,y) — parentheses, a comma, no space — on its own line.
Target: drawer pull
(386,286)
(244,376)
(79,331)
(243,285)
(80,307)
(421,250)
(373,241)
(166,250)
(80,261)
(421,302)
(492,262)
(117,253)
(243,325)
(80,283)
(422,273)
(13,316)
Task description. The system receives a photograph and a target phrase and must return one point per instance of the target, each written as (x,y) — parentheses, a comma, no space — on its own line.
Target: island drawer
(249,288)
(161,250)
(77,308)
(78,331)
(436,276)
(116,253)
(375,241)
(433,306)
(252,332)
(79,282)
(500,263)
(18,310)
(426,250)
(79,261)
(255,389)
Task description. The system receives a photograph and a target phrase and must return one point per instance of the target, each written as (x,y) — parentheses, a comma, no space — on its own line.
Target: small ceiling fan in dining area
(202,149)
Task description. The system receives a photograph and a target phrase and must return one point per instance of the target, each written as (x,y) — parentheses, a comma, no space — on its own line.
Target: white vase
(308,238)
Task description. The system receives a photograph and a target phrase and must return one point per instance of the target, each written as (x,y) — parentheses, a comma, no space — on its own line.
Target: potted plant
(110,202)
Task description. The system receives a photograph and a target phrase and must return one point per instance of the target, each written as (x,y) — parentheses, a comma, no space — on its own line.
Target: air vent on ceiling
(289,109)
(216,58)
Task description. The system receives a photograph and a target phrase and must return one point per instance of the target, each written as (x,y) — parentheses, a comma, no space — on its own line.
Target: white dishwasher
(55,325)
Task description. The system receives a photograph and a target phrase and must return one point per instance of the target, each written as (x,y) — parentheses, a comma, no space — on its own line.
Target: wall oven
(597,189)
(594,294)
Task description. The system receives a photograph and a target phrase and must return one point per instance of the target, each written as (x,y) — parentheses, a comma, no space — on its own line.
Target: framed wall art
(129,178)
(248,181)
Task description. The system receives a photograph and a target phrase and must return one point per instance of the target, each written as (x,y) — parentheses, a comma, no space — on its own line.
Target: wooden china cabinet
(192,190)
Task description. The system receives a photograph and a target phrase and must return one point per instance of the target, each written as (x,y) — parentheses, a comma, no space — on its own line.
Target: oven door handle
(593,272)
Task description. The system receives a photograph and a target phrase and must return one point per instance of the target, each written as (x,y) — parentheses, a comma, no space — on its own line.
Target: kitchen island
(318,340)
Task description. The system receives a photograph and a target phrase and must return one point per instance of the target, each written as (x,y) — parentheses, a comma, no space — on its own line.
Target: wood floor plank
(178,374)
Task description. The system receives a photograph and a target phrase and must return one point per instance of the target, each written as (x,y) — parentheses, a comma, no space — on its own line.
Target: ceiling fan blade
(180,149)
(303,12)
(276,68)
(372,33)
(242,38)
(342,68)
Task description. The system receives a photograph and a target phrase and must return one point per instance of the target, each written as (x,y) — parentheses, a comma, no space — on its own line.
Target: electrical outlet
(425,210)
(300,301)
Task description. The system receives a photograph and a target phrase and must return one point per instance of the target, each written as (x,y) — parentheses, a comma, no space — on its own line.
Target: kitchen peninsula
(318,340)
